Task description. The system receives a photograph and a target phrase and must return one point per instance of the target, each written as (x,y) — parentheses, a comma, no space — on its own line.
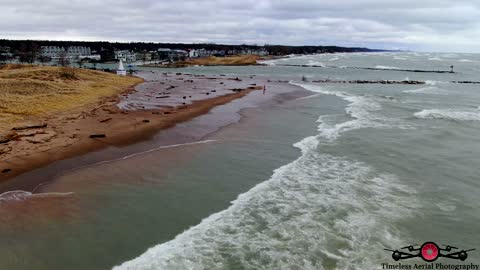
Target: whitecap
(310,212)
(427,90)
(315,63)
(386,67)
(449,114)
(364,111)
(315,211)
(20,195)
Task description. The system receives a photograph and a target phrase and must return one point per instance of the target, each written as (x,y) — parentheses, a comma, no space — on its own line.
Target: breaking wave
(386,67)
(428,90)
(449,114)
(315,63)
(20,195)
(317,212)
(364,111)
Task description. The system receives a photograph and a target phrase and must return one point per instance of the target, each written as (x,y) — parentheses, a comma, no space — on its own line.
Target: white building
(144,56)
(77,51)
(126,56)
(192,53)
(69,52)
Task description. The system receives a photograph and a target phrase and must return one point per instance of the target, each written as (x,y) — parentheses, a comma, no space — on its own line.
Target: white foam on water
(386,67)
(317,212)
(269,62)
(428,90)
(449,114)
(465,60)
(309,97)
(364,111)
(146,152)
(446,206)
(450,55)
(315,63)
(334,59)
(400,58)
(435,59)
(430,82)
(20,195)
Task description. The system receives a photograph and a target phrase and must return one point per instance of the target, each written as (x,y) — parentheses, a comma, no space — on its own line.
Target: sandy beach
(135,115)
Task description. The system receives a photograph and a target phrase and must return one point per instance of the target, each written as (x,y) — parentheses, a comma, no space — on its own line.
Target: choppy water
(356,169)
(339,208)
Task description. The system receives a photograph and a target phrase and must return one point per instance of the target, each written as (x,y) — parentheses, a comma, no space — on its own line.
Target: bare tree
(28,53)
(34,52)
(67,71)
(63,59)
(22,53)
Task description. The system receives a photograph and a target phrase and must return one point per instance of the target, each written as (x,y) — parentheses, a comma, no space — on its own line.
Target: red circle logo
(429,251)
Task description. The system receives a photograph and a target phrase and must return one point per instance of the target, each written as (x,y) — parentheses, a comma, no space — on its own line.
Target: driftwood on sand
(29,127)
(94,136)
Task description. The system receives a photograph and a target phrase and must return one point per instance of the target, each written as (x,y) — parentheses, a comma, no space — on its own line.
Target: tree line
(30,50)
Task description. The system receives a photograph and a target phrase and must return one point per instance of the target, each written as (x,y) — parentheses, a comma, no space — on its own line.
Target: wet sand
(163,101)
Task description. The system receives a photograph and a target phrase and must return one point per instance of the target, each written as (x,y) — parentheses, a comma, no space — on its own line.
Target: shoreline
(237,60)
(68,135)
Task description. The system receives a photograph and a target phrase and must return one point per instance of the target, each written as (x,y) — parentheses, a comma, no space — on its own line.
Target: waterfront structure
(193,53)
(73,52)
(144,56)
(164,54)
(126,56)
(172,55)
(121,70)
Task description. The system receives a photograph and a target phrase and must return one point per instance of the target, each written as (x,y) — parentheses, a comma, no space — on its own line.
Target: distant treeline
(109,47)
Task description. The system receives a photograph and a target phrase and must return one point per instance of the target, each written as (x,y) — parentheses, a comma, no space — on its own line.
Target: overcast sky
(423,25)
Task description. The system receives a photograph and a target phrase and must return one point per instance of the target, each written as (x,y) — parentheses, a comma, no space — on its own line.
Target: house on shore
(193,53)
(5,53)
(164,54)
(71,52)
(126,56)
(144,56)
(180,55)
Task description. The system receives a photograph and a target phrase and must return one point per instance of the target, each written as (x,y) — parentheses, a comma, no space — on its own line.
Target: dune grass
(239,60)
(28,91)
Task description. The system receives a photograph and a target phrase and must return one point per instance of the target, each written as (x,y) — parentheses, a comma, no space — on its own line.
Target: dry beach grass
(49,113)
(239,60)
(28,91)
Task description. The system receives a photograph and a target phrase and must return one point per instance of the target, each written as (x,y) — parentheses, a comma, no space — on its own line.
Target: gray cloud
(435,25)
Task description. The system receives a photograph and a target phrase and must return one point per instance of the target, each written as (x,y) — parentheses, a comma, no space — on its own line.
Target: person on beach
(264,89)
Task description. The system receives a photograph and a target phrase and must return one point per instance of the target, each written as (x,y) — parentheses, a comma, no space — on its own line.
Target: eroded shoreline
(120,125)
